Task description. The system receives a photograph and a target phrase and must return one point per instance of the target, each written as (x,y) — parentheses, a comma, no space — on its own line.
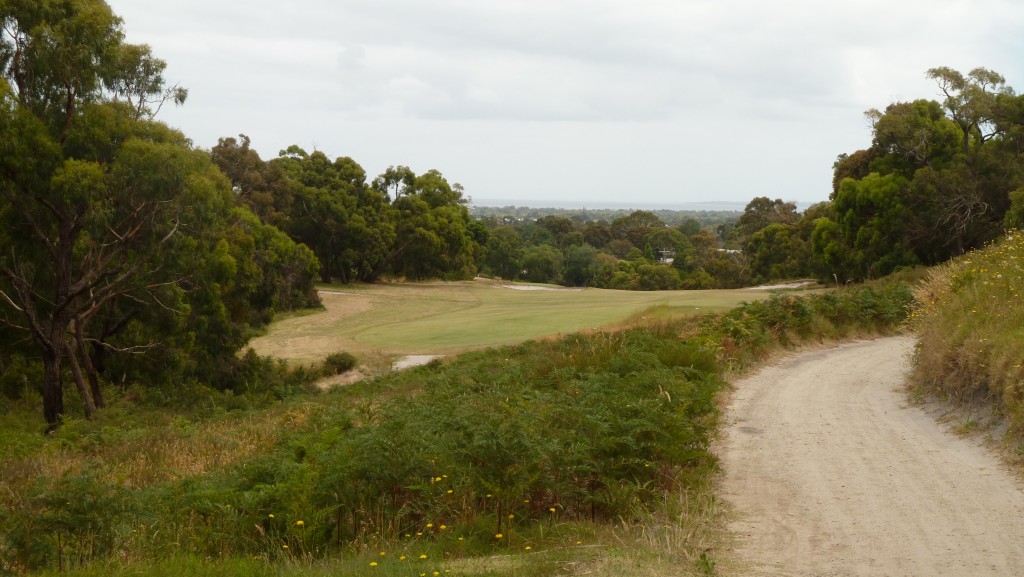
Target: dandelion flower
(424,556)
(512,516)
(382,553)
(552,509)
(402,558)
(450,491)
(528,548)
(373,563)
(443,527)
(300,523)
(498,536)
(429,525)
(271,515)
(284,546)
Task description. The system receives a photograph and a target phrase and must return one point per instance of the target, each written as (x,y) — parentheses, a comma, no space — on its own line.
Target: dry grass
(970,320)
(160,452)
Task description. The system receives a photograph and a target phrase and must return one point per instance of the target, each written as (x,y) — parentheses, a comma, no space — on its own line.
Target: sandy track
(832,474)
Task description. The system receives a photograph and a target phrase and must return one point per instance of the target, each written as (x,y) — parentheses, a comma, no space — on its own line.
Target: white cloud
(671,99)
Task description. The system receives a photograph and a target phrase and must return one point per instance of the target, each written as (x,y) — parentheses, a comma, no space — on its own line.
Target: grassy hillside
(970,317)
(585,455)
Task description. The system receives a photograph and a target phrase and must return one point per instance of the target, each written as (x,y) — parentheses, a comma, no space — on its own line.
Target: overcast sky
(639,102)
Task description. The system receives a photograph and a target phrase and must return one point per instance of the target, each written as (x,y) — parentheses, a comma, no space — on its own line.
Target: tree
(395,181)
(504,252)
(106,214)
(777,252)
(580,265)
(434,236)
(596,234)
(559,227)
(936,182)
(542,263)
(349,226)
(971,102)
(263,187)
(669,243)
(867,241)
(761,212)
(635,227)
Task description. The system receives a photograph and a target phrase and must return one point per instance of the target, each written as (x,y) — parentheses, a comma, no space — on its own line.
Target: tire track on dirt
(830,473)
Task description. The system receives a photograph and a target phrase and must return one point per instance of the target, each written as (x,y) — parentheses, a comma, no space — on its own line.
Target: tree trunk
(76,373)
(53,390)
(90,370)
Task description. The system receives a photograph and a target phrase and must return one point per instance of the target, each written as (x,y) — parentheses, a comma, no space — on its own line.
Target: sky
(643,103)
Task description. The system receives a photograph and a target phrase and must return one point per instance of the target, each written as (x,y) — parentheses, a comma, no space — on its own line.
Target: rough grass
(140,491)
(447,318)
(969,316)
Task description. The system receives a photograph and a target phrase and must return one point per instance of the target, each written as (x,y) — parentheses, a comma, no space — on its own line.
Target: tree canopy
(118,236)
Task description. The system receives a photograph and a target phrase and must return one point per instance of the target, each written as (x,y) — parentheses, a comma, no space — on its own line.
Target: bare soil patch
(832,473)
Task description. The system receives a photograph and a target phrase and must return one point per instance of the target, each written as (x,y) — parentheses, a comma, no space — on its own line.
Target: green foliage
(119,236)
(777,252)
(746,334)
(1015,216)
(937,181)
(504,253)
(542,263)
(338,363)
(530,441)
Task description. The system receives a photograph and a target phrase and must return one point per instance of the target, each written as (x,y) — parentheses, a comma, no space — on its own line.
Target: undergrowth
(969,316)
(587,454)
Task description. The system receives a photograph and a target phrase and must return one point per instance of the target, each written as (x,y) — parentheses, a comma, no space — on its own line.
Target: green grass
(447,318)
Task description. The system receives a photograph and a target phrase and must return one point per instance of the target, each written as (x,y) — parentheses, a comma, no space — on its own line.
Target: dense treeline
(939,179)
(400,224)
(131,256)
(673,218)
(637,251)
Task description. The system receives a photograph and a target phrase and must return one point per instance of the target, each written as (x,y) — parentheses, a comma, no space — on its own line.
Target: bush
(338,363)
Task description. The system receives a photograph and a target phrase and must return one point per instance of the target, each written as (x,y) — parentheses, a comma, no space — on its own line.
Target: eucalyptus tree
(107,216)
(348,225)
(936,182)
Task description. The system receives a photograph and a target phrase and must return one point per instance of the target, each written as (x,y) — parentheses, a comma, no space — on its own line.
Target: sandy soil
(785,285)
(831,474)
(410,361)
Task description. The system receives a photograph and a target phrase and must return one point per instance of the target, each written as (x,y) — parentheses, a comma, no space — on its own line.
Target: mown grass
(588,455)
(447,318)
(969,316)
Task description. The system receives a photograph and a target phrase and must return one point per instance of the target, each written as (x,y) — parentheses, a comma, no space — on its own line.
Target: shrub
(338,363)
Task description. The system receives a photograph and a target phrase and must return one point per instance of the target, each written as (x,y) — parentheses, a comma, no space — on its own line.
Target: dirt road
(832,474)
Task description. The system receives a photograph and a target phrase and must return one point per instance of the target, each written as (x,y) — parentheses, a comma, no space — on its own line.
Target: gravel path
(832,474)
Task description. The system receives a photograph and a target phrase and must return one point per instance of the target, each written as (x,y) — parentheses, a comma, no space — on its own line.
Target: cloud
(738,95)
